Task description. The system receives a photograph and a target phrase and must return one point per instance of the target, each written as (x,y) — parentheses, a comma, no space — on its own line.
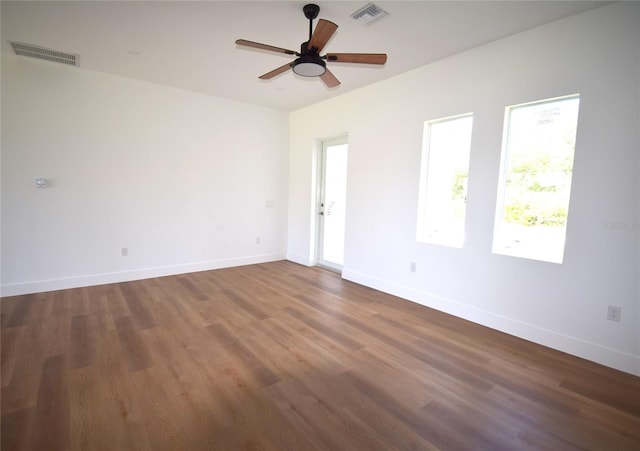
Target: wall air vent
(43,53)
(368,13)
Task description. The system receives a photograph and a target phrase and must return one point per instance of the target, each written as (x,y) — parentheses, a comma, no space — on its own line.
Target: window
(535,182)
(443,180)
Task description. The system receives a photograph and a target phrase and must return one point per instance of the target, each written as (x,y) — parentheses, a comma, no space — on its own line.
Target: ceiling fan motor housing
(309,64)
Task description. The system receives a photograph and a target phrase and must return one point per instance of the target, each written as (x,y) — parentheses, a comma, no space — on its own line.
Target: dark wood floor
(283,357)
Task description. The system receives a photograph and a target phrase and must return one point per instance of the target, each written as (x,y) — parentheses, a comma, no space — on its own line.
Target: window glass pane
(335,196)
(535,185)
(443,181)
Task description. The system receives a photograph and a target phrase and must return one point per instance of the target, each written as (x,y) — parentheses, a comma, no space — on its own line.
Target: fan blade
(275,72)
(363,58)
(329,79)
(321,35)
(257,45)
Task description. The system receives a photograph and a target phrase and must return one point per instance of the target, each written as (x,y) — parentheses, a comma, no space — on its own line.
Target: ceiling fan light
(309,66)
(309,69)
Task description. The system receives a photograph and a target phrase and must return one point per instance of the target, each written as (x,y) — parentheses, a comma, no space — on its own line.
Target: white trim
(39,286)
(622,361)
(301,259)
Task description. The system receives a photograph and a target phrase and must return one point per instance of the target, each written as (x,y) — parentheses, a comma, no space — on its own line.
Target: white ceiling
(191,45)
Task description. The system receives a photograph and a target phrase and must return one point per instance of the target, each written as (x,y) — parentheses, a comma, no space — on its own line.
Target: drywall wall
(595,54)
(184,181)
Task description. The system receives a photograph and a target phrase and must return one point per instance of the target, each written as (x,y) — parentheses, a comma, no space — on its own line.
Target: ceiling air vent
(43,53)
(368,13)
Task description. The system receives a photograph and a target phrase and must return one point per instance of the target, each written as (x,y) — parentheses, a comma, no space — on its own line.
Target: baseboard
(300,259)
(126,276)
(590,351)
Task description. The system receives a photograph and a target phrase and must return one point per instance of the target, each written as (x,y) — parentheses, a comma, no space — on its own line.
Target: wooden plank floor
(283,357)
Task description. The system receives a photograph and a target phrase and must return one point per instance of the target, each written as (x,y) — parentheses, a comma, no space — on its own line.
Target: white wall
(180,179)
(563,306)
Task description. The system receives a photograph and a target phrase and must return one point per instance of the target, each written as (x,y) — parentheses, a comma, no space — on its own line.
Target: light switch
(41,183)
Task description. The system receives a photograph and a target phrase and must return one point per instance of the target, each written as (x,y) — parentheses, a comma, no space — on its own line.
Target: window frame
(499,246)
(423,233)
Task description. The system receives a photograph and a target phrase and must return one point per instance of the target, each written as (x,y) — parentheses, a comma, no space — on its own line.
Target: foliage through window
(535,184)
(443,180)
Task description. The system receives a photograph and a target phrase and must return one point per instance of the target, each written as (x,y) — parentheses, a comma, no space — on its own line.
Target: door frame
(320,191)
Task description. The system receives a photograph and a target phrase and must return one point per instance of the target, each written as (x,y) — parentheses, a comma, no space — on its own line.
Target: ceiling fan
(309,62)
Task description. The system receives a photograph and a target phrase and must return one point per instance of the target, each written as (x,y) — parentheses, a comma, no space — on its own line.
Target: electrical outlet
(613,314)
(412,266)
(124,251)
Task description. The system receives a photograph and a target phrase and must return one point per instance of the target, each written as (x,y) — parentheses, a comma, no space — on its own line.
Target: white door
(332,203)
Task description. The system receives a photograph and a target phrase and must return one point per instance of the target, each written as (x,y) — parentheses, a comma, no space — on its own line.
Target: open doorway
(332,197)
